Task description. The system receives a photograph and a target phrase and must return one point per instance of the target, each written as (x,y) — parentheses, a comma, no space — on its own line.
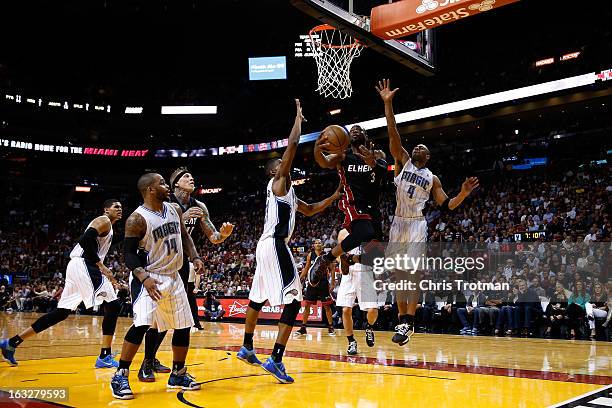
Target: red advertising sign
(402,18)
(236,309)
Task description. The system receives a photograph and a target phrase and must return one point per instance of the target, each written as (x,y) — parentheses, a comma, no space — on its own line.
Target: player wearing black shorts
(197,222)
(316,293)
(361,170)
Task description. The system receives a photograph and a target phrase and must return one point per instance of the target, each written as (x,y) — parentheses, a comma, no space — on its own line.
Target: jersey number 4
(171,246)
(410,191)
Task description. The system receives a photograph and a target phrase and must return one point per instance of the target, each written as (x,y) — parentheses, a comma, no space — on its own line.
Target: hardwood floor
(432,371)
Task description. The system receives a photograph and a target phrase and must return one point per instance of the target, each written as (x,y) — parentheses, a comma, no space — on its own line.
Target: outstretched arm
(279,186)
(395,142)
(216,237)
(442,199)
(315,208)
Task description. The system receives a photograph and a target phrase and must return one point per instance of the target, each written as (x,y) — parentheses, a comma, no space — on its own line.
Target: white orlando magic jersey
(104,244)
(280,214)
(413,188)
(162,243)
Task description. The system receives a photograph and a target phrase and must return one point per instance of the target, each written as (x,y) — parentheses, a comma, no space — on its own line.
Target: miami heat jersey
(361,188)
(104,244)
(280,214)
(413,189)
(162,242)
(193,224)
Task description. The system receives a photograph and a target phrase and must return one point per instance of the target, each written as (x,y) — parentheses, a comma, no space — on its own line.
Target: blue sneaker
(277,370)
(120,385)
(8,352)
(183,380)
(107,362)
(248,356)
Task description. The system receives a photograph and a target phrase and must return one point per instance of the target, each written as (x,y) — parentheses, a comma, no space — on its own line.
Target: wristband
(143,281)
(445,205)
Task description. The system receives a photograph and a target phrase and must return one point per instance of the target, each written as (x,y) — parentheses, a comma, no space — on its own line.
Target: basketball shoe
(277,370)
(8,352)
(120,385)
(402,333)
(107,362)
(352,348)
(248,356)
(159,367)
(146,374)
(369,336)
(181,379)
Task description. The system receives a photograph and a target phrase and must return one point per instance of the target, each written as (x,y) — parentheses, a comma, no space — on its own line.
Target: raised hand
(384,90)
(226,229)
(299,116)
(469,185)
(323,143)
(367,155)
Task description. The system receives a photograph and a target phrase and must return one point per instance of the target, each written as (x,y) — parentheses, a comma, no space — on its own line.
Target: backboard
(417,52)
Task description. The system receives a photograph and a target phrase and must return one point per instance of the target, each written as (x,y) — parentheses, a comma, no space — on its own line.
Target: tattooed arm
(216,237)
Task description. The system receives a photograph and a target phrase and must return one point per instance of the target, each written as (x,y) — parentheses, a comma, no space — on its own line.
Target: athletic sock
(248,341)
(403,319)
(350,338)
(105,351)
(410,319)
(15,341)
(277,353)
(124,364)
(177,366)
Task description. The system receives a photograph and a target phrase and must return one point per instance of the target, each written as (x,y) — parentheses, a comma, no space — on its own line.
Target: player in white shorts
(89,281)
(158,294)
(408,234)
(357,282)
(276,278)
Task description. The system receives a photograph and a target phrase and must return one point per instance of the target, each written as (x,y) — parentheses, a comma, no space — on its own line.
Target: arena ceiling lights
(487,100)
(189,110)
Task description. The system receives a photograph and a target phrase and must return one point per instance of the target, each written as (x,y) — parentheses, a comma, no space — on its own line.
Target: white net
(334,52)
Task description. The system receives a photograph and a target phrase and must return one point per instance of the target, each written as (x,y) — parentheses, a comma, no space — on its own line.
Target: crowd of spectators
(558,285)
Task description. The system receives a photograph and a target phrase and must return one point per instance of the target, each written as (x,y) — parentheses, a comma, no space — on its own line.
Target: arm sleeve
(380,169)
(88,242)
(130,253)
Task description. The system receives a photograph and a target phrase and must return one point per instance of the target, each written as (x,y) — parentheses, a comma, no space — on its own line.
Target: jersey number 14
(171,246)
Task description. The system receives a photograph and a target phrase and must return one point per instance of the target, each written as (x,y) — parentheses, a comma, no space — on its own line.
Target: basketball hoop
(333,52)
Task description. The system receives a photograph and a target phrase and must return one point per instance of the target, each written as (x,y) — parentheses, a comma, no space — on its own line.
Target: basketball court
(435,371)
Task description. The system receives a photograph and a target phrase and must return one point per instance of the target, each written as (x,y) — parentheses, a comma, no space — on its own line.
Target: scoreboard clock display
(529,236)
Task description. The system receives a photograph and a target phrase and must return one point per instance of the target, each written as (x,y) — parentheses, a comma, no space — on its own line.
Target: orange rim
(325,27)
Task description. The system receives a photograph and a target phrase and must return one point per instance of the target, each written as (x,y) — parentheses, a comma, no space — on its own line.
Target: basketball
(337,137)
